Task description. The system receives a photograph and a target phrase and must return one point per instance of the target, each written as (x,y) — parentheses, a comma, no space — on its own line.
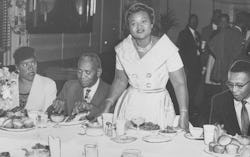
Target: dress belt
(158,90)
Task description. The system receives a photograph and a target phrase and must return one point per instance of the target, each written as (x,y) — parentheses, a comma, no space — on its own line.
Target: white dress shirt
(92,91)
(195,39)
(238,107)
(214,26)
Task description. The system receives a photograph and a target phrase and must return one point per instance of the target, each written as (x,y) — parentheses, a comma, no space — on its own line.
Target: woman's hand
(184,121)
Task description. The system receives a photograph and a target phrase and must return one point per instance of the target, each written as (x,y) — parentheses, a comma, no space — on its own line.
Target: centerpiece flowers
(9,93)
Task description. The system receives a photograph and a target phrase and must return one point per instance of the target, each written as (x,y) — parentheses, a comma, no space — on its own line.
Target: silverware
(70,118)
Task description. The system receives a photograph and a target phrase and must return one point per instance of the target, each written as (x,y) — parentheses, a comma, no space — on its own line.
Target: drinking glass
(91,150)
(106,118)
(209,131)
(131,153)
(42,120)
(120,127)
(138,121)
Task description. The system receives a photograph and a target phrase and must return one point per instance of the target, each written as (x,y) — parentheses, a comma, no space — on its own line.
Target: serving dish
(206,150)
(17,130)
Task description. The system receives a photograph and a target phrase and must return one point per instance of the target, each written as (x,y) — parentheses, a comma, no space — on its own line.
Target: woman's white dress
(147,95)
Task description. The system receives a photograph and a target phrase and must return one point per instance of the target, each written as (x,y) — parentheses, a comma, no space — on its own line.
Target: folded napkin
(55,146)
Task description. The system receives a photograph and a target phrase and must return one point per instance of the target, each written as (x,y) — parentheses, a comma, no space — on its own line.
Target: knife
(71,117)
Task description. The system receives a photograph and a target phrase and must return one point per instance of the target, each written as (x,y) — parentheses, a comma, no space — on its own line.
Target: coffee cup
(196,131)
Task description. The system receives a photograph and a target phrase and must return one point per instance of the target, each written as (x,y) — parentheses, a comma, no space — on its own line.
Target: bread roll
(8,123)
(232,149)
(28,123)
(224,140)
(2,119)
(245,152)
(235,141)
(219,149)
(17,124)
(245,140)
(211,146)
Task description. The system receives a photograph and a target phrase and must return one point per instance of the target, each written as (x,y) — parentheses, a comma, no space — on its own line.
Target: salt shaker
(109,131)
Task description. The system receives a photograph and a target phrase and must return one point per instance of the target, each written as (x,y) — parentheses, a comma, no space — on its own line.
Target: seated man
(86,93)
(231,108)
(36,92)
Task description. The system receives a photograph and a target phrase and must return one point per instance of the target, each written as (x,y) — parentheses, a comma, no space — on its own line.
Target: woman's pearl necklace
(144,49)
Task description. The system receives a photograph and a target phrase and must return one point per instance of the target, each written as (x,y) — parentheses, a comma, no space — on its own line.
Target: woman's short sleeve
(174,61)
(118,64)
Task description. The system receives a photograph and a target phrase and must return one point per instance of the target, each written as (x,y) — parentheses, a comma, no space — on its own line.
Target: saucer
(94,132)
(191,137)
(124,139)
(156,138)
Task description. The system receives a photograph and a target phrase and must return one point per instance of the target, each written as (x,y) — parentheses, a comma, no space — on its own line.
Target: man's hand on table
(81,106)
(58,105)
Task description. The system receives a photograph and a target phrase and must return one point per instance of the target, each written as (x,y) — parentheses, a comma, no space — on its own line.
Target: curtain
(4,29)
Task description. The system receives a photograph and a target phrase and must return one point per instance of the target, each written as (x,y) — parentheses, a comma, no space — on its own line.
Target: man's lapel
(77,96)
(98,93)
(231,115)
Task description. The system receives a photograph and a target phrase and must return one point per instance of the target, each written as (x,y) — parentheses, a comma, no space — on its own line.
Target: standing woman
(146,62)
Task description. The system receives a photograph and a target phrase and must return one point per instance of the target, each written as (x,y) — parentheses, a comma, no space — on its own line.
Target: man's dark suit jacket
(225,47)
(223,112)
(188,51)
(72,92)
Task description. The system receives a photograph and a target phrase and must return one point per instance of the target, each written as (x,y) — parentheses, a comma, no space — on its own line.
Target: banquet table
(72,143)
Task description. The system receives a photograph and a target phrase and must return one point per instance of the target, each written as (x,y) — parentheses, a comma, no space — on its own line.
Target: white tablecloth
(72,143)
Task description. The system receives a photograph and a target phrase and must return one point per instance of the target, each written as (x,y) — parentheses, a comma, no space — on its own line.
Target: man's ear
(99,72)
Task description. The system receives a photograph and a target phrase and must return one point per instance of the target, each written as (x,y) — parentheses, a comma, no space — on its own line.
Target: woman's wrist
(183,111)
(109,100)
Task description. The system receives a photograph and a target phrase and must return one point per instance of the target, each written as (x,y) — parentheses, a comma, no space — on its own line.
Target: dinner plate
(206,150)
(17,130)
(124,139)
(156,138)
(191,137)
(168,132)
(92,124)
(73,122)
(94,132)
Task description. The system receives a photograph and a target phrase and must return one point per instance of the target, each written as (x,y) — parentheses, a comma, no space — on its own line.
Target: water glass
(120,127)
(90,150)
(209,132)
(33,115)
(106,117)
(131,153)
(42,120)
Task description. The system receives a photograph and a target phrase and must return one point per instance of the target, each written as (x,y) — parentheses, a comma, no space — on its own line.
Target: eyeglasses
(238,85)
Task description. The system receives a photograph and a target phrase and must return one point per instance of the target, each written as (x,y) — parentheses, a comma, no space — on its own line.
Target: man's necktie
(244,118)
(86,95)
(196,38)
(197,42)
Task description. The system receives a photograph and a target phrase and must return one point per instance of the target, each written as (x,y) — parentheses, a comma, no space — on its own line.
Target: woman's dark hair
(137,7)
(23,53)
